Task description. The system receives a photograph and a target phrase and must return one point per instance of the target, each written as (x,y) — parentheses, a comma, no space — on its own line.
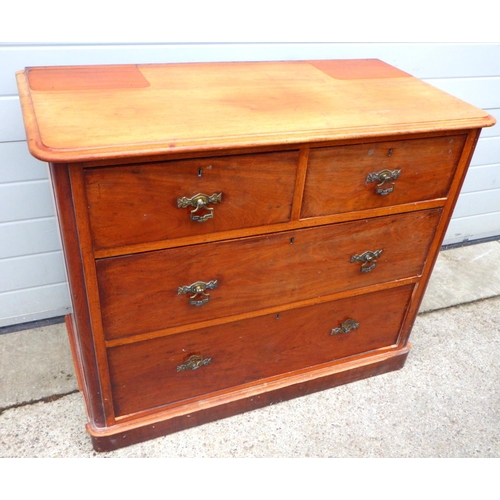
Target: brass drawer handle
(198,289)
(199,202)
(368,260)
(383,177)
(194,362)
(345,327)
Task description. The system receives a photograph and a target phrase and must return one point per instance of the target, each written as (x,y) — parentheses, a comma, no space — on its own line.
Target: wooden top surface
(90,112)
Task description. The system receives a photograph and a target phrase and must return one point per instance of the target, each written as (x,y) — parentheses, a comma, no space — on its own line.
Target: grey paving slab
(35,364)
(463,275)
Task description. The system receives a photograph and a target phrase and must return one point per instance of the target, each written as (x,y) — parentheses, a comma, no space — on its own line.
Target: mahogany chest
(238,234)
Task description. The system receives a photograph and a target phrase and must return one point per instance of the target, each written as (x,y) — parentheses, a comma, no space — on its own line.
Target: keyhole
(390,152)
(200,172)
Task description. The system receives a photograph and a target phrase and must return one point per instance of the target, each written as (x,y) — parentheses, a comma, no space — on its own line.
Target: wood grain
(337,177)
(80,330)
(145,375)
(86,78)
(215,106)
(270,229)
(138,203)
(158,423)
(139,293)
(456,185)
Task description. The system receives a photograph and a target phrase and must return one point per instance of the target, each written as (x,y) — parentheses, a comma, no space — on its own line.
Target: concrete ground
(445,402)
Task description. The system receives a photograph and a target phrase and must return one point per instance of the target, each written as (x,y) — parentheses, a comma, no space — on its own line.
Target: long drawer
(152,291)
(165,200)
(179,367)
(372,175)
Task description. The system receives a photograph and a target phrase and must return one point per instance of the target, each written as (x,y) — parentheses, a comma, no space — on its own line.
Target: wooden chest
(239,234)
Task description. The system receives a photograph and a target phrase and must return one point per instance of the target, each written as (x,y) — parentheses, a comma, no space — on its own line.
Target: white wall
(32,279)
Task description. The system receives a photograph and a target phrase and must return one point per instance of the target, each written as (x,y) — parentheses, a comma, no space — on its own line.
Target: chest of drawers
(239,234)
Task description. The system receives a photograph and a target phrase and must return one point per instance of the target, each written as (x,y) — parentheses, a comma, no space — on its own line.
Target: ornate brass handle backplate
(384,186)
(201,212)
(345,327)
(194,362)
(368,260)
(198,289)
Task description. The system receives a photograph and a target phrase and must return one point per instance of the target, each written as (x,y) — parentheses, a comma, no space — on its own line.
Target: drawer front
(159,372)
(151,202)
(143,292)
(348,178)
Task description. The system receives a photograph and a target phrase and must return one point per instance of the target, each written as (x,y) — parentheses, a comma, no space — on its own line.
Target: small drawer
(160,201)
(180,286)
(363,176)
(181,367)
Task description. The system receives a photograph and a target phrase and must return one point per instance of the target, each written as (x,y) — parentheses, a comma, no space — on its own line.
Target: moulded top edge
(84,113)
